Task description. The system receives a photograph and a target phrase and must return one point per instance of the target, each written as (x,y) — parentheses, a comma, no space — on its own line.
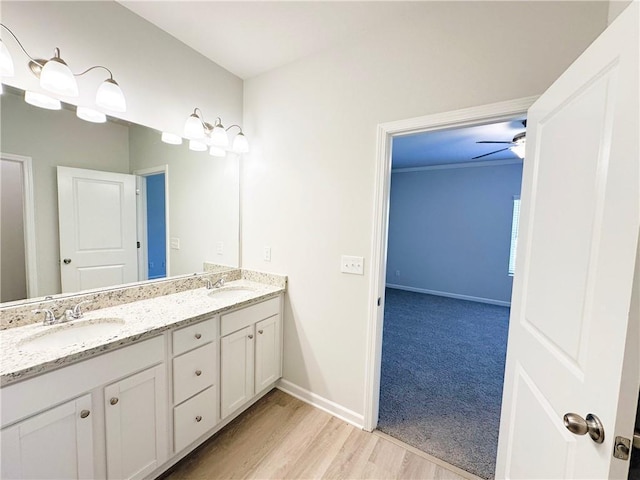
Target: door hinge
(138,244)
(379,301)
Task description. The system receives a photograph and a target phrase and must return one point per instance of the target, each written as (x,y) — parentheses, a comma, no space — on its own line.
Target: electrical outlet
(351,264)
(219,248)
(175,243)
(266,255)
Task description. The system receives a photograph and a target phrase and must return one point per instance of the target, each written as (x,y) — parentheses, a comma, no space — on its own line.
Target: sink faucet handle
(77,309)
(209,284)
(49,316)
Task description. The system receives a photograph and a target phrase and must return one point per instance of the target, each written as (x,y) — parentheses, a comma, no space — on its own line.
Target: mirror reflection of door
(13,284)
(97,219)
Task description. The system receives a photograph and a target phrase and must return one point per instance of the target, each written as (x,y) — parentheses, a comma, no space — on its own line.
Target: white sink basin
(66,334)
(231,293)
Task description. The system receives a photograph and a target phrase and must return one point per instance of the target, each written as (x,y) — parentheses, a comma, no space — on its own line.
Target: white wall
(163,80)
(308,184)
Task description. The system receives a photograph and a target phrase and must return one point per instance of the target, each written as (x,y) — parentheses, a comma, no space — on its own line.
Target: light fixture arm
(235,125)
(34,60)
(93,68)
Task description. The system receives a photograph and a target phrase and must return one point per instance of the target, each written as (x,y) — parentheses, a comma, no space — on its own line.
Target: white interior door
(580,215)
(97,219)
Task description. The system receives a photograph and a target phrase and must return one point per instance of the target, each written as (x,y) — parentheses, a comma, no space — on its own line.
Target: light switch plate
(175,243)
(219,248)
(266,256)
(351,264)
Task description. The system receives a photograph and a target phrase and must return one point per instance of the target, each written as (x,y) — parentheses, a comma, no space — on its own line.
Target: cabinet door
(57,443)
(268,352)
(237,356)
(136,424)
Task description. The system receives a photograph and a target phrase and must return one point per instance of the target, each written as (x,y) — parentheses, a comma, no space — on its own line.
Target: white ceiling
(252,37)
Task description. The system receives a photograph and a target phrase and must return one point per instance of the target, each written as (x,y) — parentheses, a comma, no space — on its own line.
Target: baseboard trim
(490,301)
(322,403)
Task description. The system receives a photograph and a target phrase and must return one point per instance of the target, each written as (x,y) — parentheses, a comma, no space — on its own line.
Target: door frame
(29,218)
(490,113)
(141,218)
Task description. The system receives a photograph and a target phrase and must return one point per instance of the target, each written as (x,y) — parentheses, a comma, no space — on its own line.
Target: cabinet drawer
(194,371)
(194,418)
(239,319)
(193,336)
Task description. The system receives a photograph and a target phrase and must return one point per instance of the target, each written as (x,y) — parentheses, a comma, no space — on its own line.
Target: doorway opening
(451,236)
(19,272)
(387,134)
(153,219)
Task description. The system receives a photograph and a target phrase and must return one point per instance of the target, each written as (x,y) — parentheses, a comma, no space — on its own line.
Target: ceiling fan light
(42,101)
(217,152)
(90,115)
(6,62)
(240,144)
(56,77)
(518,149)
(219,137)
(171,138)
(193,128)
(197,146)
(110,96)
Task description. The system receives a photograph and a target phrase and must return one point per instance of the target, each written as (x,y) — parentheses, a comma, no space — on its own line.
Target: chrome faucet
(49,316)
(76,312)
(219,283)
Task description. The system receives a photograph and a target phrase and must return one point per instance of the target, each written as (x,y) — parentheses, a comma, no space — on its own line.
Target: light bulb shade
(110,96)
(42,101)
(193,128)
(217,152)
(197,146)
(219,137)
(171,138)
(518,150)
(90,115)
(6,62)
(240,144)
(57,78)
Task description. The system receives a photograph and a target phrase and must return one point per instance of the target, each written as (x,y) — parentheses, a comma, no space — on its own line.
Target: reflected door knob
(67,261)
(581,426)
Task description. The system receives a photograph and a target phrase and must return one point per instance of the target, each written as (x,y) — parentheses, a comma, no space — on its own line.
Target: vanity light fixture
(215,136)
(90,115)
(41,100)
(56,77)
(171,138)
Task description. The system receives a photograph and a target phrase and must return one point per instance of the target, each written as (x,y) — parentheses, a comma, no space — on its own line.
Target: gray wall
(54,138)
(450,231)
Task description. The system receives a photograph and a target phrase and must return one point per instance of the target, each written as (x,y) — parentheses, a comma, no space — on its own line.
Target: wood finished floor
(281,437)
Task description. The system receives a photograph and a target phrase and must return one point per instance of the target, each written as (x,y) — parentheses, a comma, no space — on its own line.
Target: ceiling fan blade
(491,153)
(489,141)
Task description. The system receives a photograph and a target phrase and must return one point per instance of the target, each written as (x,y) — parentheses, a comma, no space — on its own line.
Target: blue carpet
(442,373)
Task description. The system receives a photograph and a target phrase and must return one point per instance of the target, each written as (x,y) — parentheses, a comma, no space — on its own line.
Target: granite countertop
(128,323)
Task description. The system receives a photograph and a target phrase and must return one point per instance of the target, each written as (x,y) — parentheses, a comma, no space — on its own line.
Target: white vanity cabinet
(104,417)
(135,424)
(57,443)
(250,353)
(195,380)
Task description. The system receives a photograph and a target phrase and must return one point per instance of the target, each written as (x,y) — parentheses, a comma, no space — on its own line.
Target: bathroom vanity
(149,381)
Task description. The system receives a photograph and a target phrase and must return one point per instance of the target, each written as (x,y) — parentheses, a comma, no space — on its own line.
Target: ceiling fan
(516,145)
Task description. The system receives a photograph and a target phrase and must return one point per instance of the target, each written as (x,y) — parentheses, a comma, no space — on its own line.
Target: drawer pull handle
(198,373)
(113,401)
(260,332)
(84,413)
(198,336)
(250,337)
(198,418)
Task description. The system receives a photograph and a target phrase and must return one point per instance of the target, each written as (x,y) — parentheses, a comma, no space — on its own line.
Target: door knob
(580,426)
(67,261)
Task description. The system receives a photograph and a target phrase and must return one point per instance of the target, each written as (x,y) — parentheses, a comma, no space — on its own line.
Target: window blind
(515,221)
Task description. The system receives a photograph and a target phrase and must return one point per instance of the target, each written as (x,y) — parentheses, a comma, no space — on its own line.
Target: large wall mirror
(186,203)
